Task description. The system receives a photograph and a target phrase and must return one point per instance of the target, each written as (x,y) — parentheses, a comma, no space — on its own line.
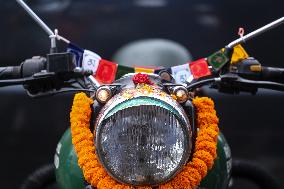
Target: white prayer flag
(181,73)
(91,61)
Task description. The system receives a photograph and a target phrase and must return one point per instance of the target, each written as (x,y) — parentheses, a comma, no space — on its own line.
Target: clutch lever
(48,84)
(47,76)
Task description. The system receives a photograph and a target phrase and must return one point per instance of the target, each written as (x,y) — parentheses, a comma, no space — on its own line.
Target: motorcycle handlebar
(26,69)
(272,74)
(46,76)
(10,72)
(250,68)
(249,74)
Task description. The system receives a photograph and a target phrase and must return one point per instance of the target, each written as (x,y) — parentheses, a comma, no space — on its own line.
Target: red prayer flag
(106,72)
(199,68)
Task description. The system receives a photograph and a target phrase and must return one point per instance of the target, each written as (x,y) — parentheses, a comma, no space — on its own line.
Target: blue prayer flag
(77,52)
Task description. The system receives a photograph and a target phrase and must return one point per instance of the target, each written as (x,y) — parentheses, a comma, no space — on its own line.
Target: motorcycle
(143,127)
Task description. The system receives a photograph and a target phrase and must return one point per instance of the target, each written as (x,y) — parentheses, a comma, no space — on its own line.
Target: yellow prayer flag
(145,70)
(238,54)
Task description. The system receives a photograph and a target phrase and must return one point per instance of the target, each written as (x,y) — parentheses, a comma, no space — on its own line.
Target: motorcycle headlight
(144,140)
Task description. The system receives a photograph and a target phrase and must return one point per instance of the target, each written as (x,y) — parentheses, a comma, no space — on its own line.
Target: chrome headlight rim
(182,119)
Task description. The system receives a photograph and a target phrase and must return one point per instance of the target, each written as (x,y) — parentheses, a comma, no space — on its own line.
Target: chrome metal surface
(256,32)
(143,145)
(35,17)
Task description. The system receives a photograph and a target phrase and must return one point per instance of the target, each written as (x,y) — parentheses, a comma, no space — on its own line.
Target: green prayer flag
(122,70)
(218,59)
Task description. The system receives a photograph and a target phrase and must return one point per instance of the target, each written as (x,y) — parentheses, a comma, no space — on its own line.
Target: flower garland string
(190,176)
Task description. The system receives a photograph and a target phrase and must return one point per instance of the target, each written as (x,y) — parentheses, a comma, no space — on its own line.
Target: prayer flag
(218,59)
(199,68)
(239,54)
(77,53)
(106,72)
(90,61)
(122,70)
(181,73)
(143,69)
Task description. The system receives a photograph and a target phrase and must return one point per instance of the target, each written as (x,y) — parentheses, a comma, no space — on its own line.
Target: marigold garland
(191,175)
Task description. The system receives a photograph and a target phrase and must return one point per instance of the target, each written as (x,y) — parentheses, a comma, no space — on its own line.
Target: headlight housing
(143,140)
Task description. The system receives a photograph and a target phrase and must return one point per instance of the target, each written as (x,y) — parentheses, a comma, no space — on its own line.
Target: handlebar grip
(272,74)
(26,69)
(10,72)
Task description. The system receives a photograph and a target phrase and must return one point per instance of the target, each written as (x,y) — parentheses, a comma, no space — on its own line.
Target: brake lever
(261,84)
(55,92)
(234,84)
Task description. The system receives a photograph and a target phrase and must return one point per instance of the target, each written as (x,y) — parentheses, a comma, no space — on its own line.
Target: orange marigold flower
(88,173)
(202,102)
(122,186)
(91,164)
(213,127)
(207,133)
(204,156)
(207,146)
(181,181)
(202,138)
(166,186)
(199,165)
(82,144)
(206,118)
(86,151)
(99,174)
(194,178)
(106,183)
(82,137)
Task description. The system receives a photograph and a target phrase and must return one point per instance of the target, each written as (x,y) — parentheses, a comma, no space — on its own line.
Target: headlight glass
(143,145)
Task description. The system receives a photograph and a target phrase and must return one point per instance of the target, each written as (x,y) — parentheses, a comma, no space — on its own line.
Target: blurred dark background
(31,128)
